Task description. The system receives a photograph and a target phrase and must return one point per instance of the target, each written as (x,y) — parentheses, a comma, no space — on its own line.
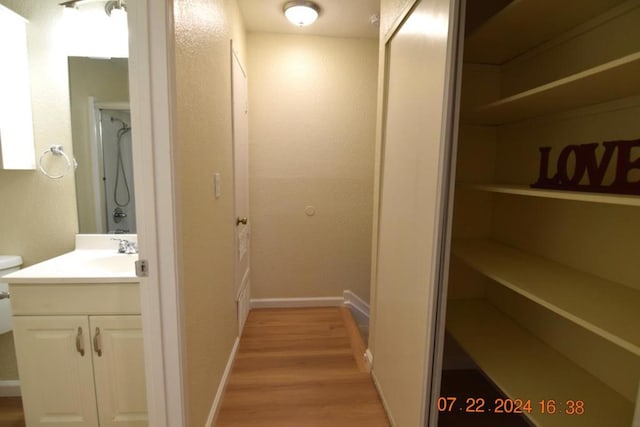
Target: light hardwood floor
(11,413)
(295,367)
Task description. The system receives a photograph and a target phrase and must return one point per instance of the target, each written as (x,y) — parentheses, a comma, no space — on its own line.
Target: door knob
(244,221)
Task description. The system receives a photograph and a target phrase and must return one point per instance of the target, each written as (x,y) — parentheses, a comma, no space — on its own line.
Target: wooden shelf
(526,368)
(525,24)
(613,80)
(605,308)
(523,190)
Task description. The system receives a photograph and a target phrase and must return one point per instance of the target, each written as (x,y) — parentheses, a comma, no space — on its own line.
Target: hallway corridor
(295,367)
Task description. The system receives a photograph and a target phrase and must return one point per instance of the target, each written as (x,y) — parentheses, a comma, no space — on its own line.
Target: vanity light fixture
(115,7)
(301,13)
(70,4)
(110,7)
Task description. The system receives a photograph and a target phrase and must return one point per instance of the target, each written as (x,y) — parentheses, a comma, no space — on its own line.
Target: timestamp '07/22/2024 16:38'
(511,406)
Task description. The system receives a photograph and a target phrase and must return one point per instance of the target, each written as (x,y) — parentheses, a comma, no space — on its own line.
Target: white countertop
(81,266)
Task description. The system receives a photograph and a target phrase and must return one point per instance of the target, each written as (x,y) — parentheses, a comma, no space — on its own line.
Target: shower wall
(117,169)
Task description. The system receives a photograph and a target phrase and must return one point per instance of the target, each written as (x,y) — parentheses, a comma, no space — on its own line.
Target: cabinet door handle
(80,341)
(97,345)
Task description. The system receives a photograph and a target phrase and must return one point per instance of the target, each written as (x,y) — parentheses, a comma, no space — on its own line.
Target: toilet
(8,264)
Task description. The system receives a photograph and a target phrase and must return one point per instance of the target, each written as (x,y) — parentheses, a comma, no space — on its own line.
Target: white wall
(312,103)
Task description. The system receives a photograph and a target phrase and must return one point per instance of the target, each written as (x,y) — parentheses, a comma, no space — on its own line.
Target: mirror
(101,133)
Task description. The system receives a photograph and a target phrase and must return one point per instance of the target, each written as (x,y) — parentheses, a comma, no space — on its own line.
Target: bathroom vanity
(78,337)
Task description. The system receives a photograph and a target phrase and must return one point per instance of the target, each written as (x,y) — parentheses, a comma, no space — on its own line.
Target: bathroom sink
(95,262)
(109,263)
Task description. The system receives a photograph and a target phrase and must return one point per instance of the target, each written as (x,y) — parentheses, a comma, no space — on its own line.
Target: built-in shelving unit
(523,190)
(559,74)
(606,308)
(614,80)
(528,23)
(525,368)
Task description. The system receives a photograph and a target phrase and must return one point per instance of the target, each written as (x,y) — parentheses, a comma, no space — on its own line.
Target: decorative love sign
(617,154)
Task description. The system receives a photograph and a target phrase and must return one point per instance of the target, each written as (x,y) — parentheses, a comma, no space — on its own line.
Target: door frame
(435,337)
(151,79)
(451,124)
(151,76)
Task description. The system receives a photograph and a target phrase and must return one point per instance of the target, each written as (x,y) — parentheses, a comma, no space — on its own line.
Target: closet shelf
(525,24)
(523,190)
(605,308)
(613,80)
(526,368)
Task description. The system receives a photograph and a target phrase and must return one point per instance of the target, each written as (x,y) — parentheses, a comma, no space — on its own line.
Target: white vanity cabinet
(80,354)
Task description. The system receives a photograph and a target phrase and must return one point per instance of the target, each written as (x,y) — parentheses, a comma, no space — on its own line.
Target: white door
(241,184)
(118,362)
(56,375)
(414,175)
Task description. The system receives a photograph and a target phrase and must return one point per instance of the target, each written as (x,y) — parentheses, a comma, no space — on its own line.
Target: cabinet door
(118,362)
(56,377)
(17,150)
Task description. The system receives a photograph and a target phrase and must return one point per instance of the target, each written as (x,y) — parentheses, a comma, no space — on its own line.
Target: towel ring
(57,150)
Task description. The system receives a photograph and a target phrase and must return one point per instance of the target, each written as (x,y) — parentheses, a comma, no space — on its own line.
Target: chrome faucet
(126,246)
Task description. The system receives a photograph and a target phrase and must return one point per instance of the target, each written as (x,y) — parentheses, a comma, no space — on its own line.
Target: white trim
(297,302)
(10,388)
(150,75)
(215,407)
(368,357)
(94,138)
(354,301)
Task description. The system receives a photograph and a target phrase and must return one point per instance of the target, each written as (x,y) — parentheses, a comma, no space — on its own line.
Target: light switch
(216,185)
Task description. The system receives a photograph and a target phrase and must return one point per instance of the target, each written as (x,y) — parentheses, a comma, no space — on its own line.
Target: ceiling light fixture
(301,13)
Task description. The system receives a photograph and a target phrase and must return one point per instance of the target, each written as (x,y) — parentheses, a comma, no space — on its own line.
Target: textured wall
(202,138)
(312,107)
(38,218)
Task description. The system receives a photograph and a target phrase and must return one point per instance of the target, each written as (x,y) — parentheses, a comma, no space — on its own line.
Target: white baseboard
(217,401)
(368,357)
(10,388)
(297,302)
(354,301)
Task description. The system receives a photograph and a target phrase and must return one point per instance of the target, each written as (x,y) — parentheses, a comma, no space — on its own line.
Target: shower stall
(116,170)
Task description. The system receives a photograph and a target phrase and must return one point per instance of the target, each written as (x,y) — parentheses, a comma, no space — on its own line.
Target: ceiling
(338,18)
